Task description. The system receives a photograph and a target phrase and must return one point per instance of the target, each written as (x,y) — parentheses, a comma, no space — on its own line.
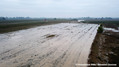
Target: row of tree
(14,18)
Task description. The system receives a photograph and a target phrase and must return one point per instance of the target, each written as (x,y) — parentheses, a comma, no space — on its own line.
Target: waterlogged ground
(58,45)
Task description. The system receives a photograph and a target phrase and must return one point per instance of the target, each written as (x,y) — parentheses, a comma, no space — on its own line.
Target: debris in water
(49,36)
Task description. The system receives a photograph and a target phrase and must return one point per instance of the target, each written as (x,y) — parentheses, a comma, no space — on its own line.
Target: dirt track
(58,45)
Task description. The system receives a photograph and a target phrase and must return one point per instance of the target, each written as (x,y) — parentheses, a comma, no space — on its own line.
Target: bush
(100,29)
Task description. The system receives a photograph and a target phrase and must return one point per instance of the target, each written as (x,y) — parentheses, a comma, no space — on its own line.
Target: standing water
(58,45)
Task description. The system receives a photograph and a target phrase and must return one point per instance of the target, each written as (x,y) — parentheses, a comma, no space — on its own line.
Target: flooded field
(58,45)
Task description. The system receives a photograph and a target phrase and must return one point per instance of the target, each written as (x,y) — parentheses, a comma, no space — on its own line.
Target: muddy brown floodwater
(58,45)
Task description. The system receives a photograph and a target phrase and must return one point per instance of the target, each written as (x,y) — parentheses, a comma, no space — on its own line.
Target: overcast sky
(59,8)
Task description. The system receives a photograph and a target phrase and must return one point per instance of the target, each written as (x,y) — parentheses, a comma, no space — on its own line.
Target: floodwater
(58,45)
(111,29)
(80,20)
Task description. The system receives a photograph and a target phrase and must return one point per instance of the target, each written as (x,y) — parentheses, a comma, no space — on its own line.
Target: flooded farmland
(58,45)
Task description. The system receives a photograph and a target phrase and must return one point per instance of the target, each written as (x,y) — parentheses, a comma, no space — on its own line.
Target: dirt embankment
(105,49)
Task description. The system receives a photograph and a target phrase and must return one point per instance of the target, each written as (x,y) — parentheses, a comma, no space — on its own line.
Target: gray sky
(59,8)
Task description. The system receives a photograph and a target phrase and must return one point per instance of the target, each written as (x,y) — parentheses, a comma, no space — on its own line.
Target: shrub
(100,29)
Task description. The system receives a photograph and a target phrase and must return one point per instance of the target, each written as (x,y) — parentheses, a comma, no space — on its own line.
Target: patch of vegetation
(49,36)
(14,25)
(100,29)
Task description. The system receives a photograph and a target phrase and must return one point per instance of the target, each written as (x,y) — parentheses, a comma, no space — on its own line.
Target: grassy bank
(13,25)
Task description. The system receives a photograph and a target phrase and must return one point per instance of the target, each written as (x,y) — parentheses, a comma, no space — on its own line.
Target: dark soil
(105,49)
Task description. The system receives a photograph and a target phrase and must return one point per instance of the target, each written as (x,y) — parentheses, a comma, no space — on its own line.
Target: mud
(58,45)
(105,49)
